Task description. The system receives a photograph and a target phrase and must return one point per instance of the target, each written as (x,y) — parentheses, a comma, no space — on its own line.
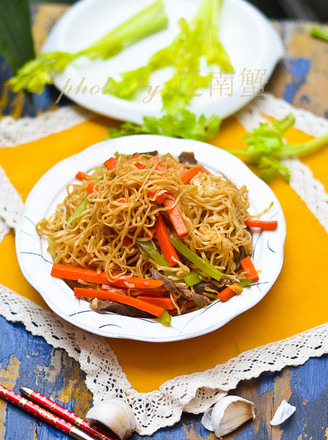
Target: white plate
(35,262)
(247,35)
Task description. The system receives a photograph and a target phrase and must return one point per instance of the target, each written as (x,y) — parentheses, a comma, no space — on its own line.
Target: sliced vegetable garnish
(244,283)
(229,292)
(92,276)
(110,164)
(176,218)
(81,176)
(159,196)
(203,265)
(90,188)
(187,175)
(164,302)
(128,300)
(192,278)
(165,319)
(149,249)
(164,242)
(82,206)
(268,225)
(249,269)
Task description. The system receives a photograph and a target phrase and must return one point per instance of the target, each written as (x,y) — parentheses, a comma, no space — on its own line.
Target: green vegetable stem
(266,148)
(319,33)
(36,73)
(199,262)
(196,39)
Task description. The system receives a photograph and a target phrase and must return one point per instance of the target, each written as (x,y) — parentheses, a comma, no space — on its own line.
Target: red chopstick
(45,416)
(66,414)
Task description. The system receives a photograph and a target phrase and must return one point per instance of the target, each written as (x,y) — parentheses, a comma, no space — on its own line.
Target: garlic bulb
(283,412)
(228,414)
(116,414)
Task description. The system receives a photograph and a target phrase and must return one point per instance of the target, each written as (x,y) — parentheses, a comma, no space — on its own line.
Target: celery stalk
(203,265)
(192,278)
(36,73)
(148,248)
(82,206)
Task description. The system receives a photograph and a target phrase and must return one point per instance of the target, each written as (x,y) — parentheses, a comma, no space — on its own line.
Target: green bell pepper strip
(203,265)
(82,206)
(192,278)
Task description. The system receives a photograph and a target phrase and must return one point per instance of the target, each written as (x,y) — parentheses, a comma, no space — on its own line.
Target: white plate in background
(247,35)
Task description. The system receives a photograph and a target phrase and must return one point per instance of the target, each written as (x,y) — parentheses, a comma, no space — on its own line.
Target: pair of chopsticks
(54,414)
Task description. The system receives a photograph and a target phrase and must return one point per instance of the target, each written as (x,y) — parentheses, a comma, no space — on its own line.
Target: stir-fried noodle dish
(151,235)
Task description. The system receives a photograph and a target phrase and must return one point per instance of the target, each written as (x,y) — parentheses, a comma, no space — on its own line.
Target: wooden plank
(30,361)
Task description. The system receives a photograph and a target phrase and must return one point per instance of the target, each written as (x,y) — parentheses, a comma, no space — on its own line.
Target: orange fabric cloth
(298,300)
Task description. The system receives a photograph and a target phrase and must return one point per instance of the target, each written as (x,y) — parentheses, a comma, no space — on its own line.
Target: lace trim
(23,130)
(192,393)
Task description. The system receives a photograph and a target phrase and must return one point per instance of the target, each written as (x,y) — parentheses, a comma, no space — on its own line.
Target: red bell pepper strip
(176,218)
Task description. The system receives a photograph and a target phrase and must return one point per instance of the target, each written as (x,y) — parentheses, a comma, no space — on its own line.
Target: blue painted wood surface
(30,361)
(54,374)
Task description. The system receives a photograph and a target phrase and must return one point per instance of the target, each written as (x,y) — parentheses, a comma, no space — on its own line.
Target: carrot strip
(249,269)
(127,241)
(134,156)
(226,294)
(92,276)
(149,292)
(90,188)
(159,196)
(155,310)
(81,176)
(111,163)
(187,306)
(176,218)
(187,175)
(136,293)
(164,241)
(263,224)
(164,302)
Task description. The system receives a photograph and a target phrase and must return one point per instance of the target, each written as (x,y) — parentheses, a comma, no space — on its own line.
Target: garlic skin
(283,412)
(116,414)
(228,414)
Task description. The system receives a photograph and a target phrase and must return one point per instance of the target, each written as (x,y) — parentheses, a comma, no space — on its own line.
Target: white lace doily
(195,392)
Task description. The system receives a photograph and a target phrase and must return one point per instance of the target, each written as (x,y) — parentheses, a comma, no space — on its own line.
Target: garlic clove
(116,415)
(207,419)
(229,413)
(283,412)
